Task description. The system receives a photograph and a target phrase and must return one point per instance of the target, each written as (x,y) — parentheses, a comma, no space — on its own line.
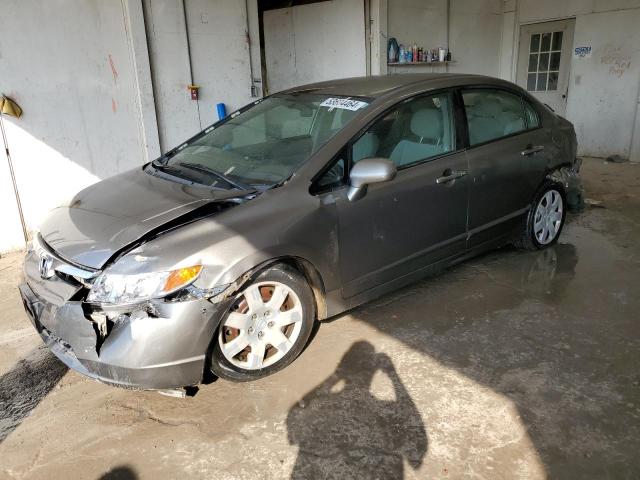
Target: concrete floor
(512,365)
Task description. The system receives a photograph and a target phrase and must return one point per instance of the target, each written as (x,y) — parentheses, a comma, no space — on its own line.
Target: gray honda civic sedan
(219,256)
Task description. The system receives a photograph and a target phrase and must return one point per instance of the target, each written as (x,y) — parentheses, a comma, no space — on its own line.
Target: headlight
(122,289)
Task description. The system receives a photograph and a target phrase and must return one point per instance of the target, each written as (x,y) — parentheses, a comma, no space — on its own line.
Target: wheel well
(313,278)
(306,268)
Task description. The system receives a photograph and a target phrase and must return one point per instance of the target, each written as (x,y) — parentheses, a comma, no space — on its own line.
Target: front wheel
(545,219)
(266,328)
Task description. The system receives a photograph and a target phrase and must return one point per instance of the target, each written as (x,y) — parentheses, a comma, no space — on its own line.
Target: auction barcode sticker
(344,103)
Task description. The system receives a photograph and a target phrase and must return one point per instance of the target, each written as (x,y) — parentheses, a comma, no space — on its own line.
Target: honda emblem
(44,266)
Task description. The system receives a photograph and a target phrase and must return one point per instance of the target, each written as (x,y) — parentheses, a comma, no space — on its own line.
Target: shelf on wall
(420,64)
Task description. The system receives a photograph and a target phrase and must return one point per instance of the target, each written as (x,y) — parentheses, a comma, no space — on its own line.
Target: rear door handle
(530,150)
(450,175)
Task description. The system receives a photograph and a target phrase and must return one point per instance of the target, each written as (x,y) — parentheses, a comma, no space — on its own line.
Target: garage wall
(167,40)
(71,66)
(213,46)
(315,42)
(475,28)
(603,89)
(82,72)
(475,36)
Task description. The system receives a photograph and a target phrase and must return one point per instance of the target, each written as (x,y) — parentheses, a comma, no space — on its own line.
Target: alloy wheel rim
(262,327)
(548,217)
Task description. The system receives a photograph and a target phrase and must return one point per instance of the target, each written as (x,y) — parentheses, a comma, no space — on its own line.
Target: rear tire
(545,219)
(267,326)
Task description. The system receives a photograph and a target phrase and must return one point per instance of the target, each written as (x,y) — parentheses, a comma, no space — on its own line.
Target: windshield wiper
(203,168)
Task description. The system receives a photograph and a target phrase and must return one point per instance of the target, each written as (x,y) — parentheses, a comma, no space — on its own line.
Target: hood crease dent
(117,214)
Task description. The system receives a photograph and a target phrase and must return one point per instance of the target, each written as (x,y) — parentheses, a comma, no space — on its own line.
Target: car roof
(377,86)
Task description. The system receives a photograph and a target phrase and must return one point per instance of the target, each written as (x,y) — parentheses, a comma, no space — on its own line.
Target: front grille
(64,269)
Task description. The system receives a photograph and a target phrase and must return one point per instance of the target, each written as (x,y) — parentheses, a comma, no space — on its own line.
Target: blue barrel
(222,111)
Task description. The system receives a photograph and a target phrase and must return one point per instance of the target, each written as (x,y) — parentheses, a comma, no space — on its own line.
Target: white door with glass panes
(544,59)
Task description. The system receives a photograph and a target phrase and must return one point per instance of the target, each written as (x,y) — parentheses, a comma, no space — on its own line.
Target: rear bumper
(569,177)
(161,350)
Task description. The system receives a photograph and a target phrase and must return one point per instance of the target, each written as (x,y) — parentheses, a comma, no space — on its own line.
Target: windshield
(263,145)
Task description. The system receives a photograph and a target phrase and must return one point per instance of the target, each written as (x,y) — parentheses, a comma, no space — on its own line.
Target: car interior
(420,128)
(492,114)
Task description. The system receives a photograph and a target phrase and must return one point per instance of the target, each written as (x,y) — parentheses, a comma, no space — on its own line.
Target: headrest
(427,123)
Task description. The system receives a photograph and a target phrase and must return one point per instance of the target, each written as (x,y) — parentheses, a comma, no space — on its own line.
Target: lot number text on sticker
(344,103)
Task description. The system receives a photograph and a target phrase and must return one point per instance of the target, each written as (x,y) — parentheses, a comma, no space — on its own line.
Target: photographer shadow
(343,430)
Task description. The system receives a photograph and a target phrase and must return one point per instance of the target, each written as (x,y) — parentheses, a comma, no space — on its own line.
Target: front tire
(266,328)
(545,219)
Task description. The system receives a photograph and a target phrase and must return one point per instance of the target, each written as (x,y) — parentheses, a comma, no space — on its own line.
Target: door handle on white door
(530,150)
(450,175)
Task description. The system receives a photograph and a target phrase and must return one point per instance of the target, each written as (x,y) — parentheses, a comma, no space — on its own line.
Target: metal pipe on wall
(447,24)
(186,33)
(254,89)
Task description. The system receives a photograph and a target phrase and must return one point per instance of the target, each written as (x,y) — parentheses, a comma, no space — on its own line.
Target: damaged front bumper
(158,345)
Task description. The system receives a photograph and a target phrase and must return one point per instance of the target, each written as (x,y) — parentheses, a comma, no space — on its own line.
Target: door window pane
(535,43)
(543,65)
(416,130)
(531,82)
(557,41)
(554,63)
(533,121)
(542,82)
(533,62)
(492,114)
(332,178)
(545,45)
(553,81)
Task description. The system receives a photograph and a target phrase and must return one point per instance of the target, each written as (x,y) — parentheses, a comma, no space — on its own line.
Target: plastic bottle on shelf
(393,51)
(402,56)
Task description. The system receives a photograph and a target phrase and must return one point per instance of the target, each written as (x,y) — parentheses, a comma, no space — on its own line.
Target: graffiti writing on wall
(618,60)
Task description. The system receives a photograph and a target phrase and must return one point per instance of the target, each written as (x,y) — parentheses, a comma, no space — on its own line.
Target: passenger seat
(426,124)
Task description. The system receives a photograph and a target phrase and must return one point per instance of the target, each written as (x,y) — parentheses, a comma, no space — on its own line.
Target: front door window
(415,131)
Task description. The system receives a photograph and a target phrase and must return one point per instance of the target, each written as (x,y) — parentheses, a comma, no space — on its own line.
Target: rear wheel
(266,328)
(545,219)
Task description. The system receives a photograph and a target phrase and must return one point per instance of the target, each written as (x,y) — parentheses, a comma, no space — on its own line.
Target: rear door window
(533,120)
(493,114)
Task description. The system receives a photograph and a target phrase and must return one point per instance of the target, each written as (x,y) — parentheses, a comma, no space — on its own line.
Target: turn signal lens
(179,278)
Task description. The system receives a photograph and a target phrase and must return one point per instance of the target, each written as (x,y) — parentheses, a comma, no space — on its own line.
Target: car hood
(110,215)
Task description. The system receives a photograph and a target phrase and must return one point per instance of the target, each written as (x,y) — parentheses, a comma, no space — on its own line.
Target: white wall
(70,66)
(167,37)
(315,42)
(474,36)
(90,77)
(220,61)
(603,89)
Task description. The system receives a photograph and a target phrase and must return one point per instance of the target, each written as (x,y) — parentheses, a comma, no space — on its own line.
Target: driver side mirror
(367,171)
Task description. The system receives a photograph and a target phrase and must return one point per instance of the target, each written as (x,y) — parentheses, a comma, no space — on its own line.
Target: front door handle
(530,150)
(449,175)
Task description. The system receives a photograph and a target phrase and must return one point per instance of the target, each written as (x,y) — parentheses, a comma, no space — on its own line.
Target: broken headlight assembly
(124,289)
